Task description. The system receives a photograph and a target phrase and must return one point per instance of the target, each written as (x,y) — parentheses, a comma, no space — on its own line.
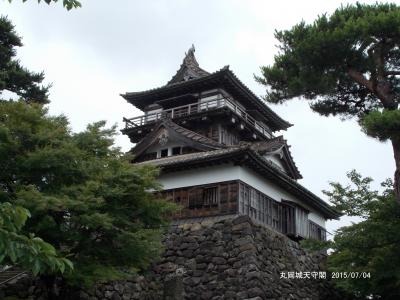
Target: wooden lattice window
(268,210)
(254,205)
(164,153)
(316,231)
(210,196)
(288,219)
(301,222)
(176,150)
(277,216)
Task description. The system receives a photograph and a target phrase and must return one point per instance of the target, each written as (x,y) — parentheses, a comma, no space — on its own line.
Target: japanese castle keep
(214,141)
(242,211)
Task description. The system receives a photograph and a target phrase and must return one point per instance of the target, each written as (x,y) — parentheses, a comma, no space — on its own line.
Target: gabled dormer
(277,152)
(170,139)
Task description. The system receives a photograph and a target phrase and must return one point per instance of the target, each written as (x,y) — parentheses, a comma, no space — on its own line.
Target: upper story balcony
(203,105)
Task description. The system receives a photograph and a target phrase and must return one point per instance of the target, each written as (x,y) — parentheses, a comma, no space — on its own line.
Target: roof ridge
(189,69)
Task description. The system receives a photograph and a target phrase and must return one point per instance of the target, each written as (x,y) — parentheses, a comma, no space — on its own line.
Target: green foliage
(315,245)
(85,196)
(370,246)
(356,199)
(68,4)
(26,250)
(346,63)
(14,77)
(18,245)
(382,125)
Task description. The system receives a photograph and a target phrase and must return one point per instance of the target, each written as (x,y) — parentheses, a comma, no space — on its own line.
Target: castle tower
(214,141)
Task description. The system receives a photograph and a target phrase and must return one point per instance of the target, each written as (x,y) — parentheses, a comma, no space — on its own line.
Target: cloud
(93,54)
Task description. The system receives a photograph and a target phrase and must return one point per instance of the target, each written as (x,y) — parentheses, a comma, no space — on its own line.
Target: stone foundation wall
(230,258)
(237,259)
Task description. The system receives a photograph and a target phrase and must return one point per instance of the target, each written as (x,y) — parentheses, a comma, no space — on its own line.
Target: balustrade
(194,108)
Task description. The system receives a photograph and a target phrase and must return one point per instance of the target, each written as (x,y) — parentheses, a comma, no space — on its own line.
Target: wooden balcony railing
(194,108)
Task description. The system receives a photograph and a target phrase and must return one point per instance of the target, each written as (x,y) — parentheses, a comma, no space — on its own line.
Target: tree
(84,195)
(68,4)
(370,247)
(17,245)
(14,77)
(28,251)
(346,64)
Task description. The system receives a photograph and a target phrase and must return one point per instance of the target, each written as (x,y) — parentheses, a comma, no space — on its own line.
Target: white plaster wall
(230,172)
(157,147)
(276,160)
(317,218)
(200,176)
(264,185)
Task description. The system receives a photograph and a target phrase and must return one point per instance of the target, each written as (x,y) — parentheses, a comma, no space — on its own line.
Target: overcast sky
(92,54)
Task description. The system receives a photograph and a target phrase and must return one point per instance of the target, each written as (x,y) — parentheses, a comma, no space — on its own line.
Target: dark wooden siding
(237,197)
(228,136)
(211,131)
(220,133)
(205,200)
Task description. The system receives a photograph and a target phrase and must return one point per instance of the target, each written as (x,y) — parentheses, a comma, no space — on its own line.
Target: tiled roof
(269,146)
(131,96)
(223,76)
(189,69)
(275,144)
(258,147)
(197,137)
(204,142)
(192,157)
(247,155)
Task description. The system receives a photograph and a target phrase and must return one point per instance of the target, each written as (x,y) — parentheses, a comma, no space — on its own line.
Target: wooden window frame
(179,152)
(282,216)
(161,152)
(213,193)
